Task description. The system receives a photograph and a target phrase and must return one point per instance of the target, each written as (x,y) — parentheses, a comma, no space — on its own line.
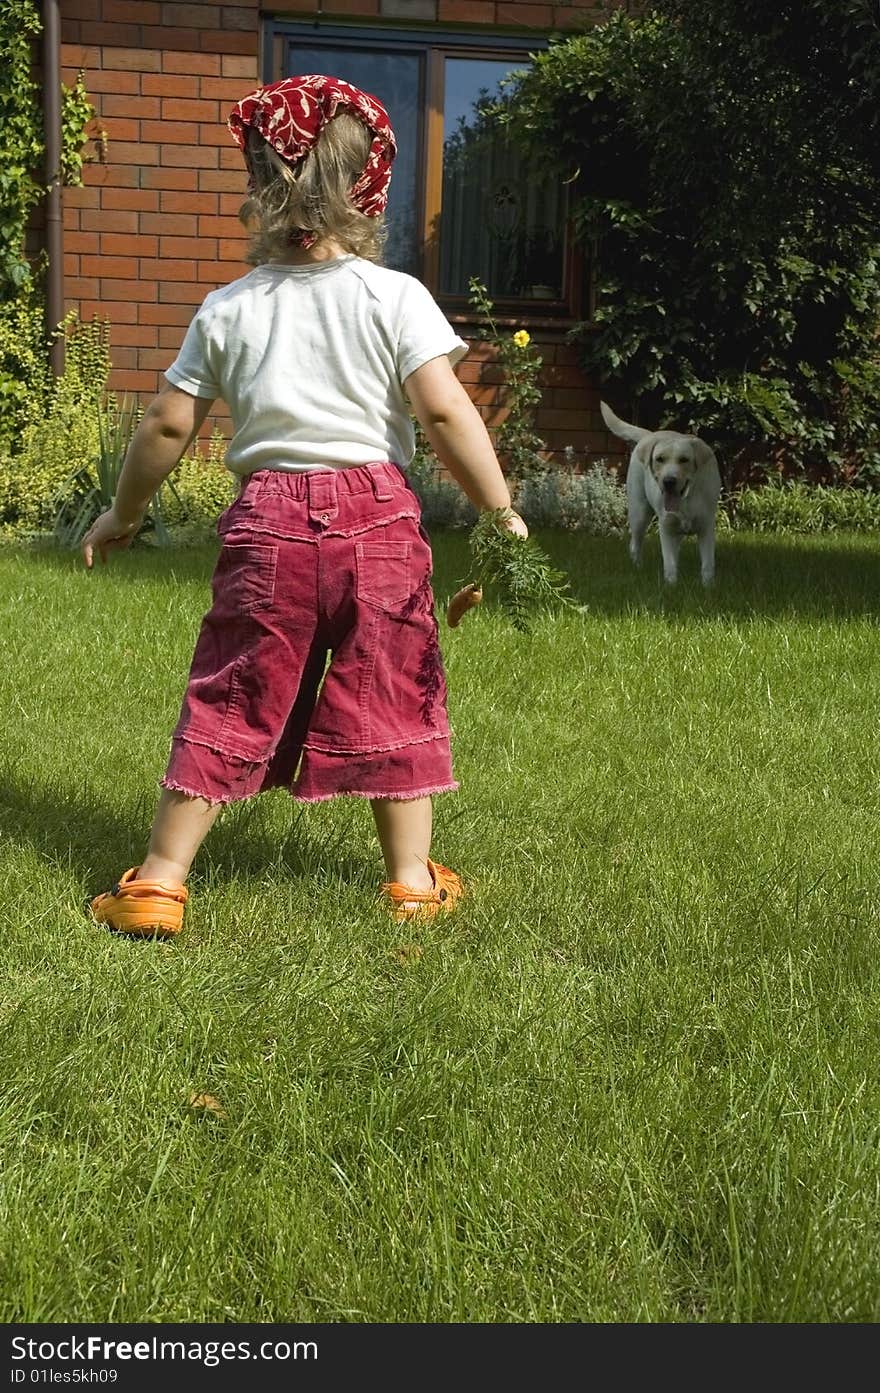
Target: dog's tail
(622,428)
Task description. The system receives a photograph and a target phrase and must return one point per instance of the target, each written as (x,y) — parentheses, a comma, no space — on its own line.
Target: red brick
(218,227)
(214,134)
(227,43)
(170,338)
(232,249)
(183,40)
(170,132)
(123,35)
(111,81)
(70,219)
(81,288)
(127,290)
(170,224)
(160,269)
(134,152)
(145,200)
(191,16)
(138,108)
(121,266)
(132,11)
(230,157)
(97,174)
(76,56)
(168,85)
(165,178)
(211,274)
(535,16)
(71,31)
(124,244)
(157,358)
(351,7)
(118,128)
(234,66)
(195,247)
(224,180)
(117,311)
(165,314)
(207,64)
(230,205)
(136,60)
(181,293)
(188,203)
(71,263)
(189,109)
(563,376)
(567,398)
(466,11)
(142,383)
(81,242)
(82,197)
(189,156)
(226,90)
(109,222)
(237,17)
(133,336)
(573,19)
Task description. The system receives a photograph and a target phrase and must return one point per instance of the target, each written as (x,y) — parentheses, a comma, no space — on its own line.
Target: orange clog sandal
(145,908)
(407,903)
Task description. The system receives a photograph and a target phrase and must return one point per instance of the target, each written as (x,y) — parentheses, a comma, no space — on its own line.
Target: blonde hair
(314,198)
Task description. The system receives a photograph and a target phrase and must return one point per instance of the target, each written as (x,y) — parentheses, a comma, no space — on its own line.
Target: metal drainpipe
(54,226)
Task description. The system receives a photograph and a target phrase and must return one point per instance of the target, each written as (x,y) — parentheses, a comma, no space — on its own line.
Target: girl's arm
(168,425)
(456,433)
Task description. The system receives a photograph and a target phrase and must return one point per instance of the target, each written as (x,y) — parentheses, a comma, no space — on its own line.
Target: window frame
(282,36)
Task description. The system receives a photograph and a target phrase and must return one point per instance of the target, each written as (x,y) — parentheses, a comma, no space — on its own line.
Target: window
(463,201)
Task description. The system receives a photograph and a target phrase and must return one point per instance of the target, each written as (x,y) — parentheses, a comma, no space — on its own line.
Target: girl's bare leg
(404,830)
(180,826)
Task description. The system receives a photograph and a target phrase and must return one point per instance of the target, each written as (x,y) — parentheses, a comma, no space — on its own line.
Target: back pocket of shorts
(383,573)
(244,580)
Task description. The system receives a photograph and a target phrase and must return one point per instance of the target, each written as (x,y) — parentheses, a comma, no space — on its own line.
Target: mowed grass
(633,1079)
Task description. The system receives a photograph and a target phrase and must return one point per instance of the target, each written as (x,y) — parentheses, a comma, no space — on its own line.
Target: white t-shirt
(311,361)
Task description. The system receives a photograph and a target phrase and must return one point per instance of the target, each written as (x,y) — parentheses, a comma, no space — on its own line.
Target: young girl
(315,352)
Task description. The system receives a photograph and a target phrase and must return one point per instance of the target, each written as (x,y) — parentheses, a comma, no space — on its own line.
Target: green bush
(593,502)
(200,488)
(733,223)
(793,506)
(60,436)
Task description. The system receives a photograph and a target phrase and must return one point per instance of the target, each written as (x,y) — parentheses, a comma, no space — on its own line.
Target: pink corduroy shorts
(328,564)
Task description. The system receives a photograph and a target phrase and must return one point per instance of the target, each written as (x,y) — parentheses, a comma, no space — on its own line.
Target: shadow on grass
(99,842)
(757,575)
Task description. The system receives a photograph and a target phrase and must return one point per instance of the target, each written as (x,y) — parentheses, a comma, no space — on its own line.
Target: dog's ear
(702,452)
(644,450)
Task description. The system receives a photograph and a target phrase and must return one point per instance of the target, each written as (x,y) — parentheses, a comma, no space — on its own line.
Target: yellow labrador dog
(675,478)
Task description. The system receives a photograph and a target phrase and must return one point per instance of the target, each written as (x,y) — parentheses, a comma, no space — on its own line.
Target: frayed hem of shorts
(359,793)
(206,797)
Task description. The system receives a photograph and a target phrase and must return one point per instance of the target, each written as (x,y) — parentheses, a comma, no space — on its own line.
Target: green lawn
(634,1079)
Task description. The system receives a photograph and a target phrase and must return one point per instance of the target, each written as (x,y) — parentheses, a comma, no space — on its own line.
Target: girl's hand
(514,523)
(108,533)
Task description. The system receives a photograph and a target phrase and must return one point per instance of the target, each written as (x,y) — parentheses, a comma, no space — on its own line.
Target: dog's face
(673,460)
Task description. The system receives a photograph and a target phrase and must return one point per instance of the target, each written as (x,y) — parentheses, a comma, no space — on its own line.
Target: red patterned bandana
(291,115)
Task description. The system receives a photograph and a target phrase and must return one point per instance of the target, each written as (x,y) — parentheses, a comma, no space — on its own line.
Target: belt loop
(323,501)
(381,487)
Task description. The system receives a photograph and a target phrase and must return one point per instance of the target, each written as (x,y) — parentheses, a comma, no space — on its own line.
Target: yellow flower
(522,339)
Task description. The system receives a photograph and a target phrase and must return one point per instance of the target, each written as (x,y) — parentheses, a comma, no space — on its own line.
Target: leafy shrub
(736,285)
(25,378)
(58,439)
(794,506)
(593,502)
(200,488)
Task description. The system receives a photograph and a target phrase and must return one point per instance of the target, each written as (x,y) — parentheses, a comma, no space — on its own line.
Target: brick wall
(155,227)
